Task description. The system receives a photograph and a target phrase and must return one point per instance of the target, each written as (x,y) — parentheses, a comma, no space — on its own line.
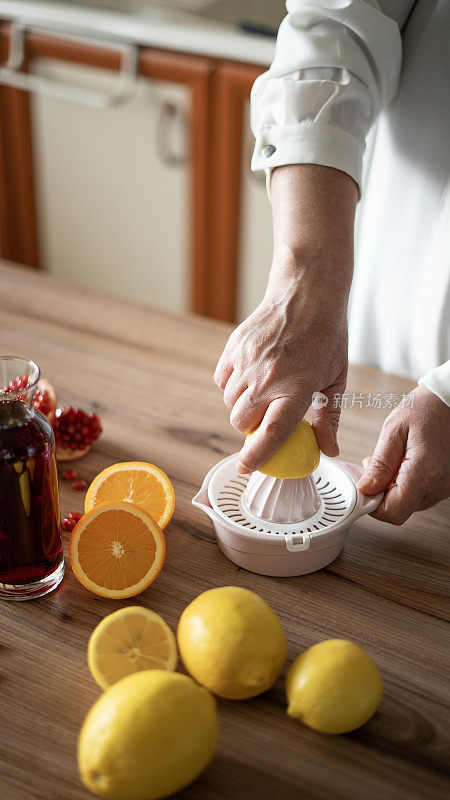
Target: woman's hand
(411,462)
(295,343)
(291,346)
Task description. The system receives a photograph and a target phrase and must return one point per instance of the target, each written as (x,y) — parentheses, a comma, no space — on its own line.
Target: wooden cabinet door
(231,85)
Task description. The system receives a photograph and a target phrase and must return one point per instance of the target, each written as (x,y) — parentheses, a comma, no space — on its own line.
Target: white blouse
(343,68)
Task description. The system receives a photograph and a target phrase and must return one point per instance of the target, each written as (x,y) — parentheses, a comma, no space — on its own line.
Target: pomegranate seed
(71,520)
(69,475)
(21,382)
(17,385)
(79,485)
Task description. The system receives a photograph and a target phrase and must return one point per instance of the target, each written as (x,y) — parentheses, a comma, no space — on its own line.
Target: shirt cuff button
(268,150)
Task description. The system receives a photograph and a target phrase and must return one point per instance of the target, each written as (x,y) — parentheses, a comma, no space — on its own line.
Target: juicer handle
(365,503)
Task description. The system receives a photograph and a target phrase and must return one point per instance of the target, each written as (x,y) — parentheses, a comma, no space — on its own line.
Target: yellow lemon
(147,736)
(333,687)
(130,640)
(232,642)
(297,457)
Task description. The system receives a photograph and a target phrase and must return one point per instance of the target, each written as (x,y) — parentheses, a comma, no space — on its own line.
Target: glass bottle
(31,553)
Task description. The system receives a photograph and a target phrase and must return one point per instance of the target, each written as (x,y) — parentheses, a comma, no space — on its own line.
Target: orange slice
(130,640)
(117,550)
(135,482)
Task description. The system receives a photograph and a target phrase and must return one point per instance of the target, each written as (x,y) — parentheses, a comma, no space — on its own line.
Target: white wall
(256,244)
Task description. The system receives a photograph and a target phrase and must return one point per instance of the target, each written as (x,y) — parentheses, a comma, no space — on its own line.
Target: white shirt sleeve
(438,381)
(336,64)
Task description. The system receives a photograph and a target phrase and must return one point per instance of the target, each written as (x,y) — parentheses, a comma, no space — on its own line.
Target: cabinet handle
(169,114)
(10,74)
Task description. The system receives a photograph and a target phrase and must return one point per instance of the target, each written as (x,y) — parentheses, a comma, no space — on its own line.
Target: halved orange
(135,482)
(117,550)
(129,640)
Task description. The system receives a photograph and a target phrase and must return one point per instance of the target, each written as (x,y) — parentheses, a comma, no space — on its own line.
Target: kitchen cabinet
(210,201)
(112,187)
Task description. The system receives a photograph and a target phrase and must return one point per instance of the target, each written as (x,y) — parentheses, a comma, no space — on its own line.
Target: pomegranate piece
(79,485)
(42,402)
(45,400)
(71,520)
(75,432)
(69,475)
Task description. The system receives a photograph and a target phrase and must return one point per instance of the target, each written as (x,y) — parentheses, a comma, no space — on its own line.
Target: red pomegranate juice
(30,523)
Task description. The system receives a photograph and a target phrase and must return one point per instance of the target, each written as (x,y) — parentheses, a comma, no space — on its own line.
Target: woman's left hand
(411,462)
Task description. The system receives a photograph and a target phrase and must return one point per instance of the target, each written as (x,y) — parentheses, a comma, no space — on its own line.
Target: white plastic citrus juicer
(283,527)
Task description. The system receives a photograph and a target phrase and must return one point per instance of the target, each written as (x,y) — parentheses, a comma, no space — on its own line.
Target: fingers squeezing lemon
(297,457)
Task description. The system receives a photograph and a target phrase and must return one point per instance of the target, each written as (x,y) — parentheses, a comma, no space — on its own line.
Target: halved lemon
(117,550)
(130,640)
(135,482)
(298,457)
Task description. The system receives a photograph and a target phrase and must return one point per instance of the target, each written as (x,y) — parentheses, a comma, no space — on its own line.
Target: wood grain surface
(149,375)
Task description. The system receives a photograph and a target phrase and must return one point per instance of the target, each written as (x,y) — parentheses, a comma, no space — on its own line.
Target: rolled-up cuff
(438,381)
(308,143)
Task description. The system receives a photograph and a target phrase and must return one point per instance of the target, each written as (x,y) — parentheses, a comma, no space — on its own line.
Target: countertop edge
(178,32)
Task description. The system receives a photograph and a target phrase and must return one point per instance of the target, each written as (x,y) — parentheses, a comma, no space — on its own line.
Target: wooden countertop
(149,374)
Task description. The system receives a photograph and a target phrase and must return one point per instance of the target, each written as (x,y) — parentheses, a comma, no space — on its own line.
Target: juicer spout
(201,499)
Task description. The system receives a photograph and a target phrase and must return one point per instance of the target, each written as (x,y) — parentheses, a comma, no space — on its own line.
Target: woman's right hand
(295,343)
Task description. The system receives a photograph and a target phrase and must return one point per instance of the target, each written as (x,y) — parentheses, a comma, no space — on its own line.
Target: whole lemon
(232,642)
(147,736)
(297,457)
(333,687)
